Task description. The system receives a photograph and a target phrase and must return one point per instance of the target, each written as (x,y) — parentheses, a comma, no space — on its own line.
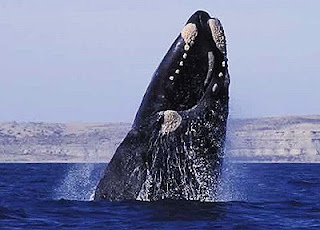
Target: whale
(175,148)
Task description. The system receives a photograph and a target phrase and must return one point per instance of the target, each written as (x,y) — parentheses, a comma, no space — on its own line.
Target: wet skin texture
(175,147)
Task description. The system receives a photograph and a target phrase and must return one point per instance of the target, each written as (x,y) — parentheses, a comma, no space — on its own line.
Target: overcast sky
(92,60)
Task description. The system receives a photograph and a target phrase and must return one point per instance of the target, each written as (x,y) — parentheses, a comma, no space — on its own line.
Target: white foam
(79,183)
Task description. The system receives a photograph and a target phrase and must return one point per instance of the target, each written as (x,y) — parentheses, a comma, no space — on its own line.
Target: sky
(91,61)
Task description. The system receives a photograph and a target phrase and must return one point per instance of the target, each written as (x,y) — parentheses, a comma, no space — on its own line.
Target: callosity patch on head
(219,38)
(171,121)
(189,33)
(218,34)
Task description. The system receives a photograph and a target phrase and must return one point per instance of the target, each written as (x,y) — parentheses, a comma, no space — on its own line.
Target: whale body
(175,147)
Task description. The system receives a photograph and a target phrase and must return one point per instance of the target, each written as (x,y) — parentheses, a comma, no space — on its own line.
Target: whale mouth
(194,70)
(204,58)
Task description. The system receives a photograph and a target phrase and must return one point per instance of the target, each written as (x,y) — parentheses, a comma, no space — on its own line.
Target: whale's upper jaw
(207,61)
(193,72)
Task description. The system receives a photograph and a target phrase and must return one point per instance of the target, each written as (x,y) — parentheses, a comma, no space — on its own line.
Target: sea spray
(231,186)
(79,182)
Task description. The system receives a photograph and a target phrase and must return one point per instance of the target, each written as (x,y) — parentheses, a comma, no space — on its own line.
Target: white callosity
(218,34)
(171,121)
(220,41)
(189,33)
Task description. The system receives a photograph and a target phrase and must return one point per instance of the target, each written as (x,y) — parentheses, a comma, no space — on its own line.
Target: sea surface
(250,196)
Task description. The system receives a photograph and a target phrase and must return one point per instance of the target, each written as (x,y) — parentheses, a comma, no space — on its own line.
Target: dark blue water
(251,196)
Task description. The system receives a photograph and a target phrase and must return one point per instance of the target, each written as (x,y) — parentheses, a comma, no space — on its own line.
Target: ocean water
(250,196)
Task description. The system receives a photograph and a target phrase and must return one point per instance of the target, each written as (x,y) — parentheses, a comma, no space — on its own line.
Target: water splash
(231,186)
(80,182)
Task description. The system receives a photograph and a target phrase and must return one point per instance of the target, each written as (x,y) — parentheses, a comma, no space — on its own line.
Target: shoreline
(294,139)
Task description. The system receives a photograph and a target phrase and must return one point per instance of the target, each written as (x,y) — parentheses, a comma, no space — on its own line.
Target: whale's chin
(175,147)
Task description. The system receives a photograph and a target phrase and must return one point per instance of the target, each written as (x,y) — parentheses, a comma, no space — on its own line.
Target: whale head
(193,73)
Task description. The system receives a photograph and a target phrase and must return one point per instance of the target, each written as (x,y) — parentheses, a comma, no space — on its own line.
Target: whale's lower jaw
(175,147)
(182,165)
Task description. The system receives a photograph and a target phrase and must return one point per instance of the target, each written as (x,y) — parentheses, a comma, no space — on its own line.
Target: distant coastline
(267,140)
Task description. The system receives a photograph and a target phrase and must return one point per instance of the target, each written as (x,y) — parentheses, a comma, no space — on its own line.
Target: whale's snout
(199,18)
(193,72)
(210,27)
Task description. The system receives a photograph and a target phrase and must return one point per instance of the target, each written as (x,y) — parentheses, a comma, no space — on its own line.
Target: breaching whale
(176,145)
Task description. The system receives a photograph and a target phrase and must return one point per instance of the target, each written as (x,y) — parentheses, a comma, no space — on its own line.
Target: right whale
(176,145)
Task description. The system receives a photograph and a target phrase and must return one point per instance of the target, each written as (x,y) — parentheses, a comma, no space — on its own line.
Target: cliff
(286,139)
(54,142)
